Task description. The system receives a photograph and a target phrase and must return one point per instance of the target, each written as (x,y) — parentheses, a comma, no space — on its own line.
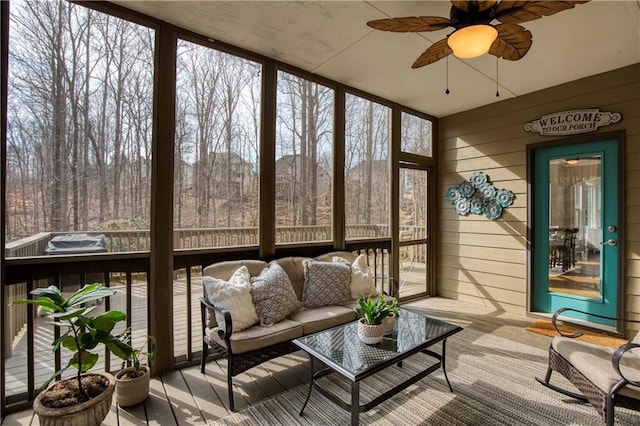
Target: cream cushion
(594,361)
(258,337)
(362,278)
(233,295)
(318,319)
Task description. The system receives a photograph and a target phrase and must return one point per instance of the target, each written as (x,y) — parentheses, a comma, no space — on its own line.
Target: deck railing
(119,241)
(27,336)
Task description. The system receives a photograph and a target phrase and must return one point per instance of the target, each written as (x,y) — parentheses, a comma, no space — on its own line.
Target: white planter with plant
(371,312)
(85,399)
(390,321)
(132,383)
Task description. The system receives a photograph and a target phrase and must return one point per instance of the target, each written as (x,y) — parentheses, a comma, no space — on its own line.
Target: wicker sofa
(257,344)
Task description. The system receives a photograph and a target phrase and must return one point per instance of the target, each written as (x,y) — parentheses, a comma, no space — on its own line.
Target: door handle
(610,242)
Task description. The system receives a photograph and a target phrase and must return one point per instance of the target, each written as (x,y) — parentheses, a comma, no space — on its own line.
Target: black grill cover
(76,244)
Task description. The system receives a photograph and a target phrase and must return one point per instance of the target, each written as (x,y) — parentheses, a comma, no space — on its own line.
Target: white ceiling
(331,39)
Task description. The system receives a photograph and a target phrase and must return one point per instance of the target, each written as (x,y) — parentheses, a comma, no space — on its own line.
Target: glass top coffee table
(341,350)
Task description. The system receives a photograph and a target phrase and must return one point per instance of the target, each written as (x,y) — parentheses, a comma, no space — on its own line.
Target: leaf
(118,347)
(52,292)
(515,12)
(69,343)
(89,293)
(107,321)
(68,314)
(513,42)
(411,24)
(88,361)
(434,53)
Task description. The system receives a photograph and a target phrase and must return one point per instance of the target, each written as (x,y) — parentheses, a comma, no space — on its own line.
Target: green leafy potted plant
(132,383)
(371,310)
(86,398)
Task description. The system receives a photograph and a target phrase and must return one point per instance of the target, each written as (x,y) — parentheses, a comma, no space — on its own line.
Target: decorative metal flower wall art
(478,196)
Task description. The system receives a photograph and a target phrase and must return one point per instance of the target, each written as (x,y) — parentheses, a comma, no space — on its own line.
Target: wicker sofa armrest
(617,357)
(224,330)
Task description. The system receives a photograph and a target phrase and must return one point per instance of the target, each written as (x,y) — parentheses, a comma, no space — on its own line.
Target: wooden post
(160,310)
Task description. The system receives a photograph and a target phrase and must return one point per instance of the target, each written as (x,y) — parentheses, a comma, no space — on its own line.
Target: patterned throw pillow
(273,295)
(325,283)
(233,295)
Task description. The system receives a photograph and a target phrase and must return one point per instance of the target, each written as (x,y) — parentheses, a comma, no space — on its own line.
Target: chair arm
(562,310)
(224,330)
(617,357)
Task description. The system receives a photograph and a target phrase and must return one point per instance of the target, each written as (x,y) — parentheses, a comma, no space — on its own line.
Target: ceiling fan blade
(513,42)
(433,54)
(411,24)
(474,6)
(515,12)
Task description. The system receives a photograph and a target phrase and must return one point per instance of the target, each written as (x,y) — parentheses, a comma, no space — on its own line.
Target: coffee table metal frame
(394,359)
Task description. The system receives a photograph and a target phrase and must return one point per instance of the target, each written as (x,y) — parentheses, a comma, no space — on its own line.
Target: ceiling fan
(474,34)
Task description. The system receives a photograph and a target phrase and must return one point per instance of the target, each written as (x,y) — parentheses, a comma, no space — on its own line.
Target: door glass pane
(575,226)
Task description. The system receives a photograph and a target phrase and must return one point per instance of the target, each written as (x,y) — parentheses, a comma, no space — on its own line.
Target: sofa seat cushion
(594,361)
(258,337)
(317,319)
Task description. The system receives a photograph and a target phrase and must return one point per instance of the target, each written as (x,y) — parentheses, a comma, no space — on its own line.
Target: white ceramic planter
(370,334)
(387,324)
(90,413)
(132,391)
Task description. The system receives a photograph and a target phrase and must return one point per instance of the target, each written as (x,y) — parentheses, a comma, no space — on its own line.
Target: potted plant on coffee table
(132,383)
(371,310)
(86,398)
(389,321)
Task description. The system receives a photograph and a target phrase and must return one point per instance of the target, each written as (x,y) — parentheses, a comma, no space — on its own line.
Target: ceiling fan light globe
(472,41)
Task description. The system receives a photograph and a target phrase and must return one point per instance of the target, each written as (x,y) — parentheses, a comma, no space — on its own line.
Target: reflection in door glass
(575,226)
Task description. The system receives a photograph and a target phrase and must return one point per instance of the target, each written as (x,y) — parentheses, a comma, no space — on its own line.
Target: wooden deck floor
(186,397)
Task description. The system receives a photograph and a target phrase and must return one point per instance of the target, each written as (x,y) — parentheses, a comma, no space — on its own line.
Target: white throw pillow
(233,295)
(362,278)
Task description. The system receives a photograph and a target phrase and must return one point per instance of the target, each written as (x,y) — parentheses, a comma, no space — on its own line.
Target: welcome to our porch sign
(572,122)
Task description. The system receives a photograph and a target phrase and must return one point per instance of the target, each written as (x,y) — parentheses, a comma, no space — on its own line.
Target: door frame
(619,136)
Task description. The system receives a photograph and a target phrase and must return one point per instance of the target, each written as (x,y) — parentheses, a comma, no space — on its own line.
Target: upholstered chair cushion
(594,361)
(233,295)
(273,295)
(325,283)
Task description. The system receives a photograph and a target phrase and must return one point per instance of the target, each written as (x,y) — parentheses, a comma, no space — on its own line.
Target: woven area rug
(544,326)
(493,383)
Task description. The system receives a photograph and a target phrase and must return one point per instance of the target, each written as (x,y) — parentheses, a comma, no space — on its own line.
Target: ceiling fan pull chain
(447,91)
(497,92)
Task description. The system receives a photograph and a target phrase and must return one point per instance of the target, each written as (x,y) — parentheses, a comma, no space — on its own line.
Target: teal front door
(576,228)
